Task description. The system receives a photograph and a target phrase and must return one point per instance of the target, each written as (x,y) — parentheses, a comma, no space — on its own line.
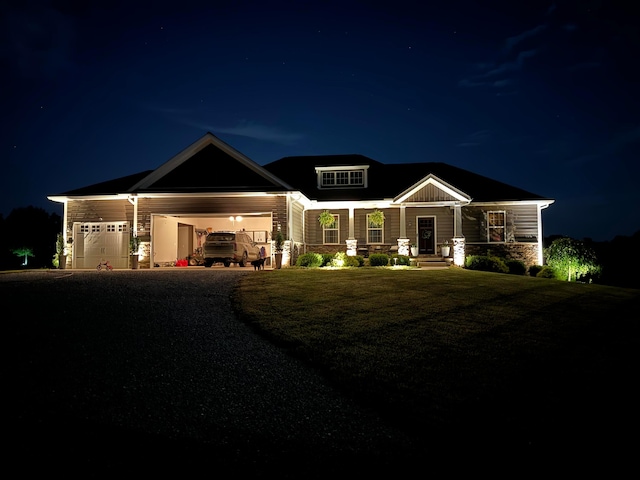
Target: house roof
(211,166)
(110,187)
(387,181)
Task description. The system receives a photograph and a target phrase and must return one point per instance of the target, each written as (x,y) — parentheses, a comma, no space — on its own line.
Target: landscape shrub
(516,267)
(547,272)
(378,260)
(534,269)
(327,258)
(310,260)
(401,259)
(355,261)
(486,264)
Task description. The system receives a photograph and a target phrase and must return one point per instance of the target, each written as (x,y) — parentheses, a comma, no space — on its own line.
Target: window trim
(335,228)
(356,177)
(371,228)
(491,228)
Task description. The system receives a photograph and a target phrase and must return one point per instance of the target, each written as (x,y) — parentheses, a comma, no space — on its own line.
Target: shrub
(546,272)
(378,259)
(486,264)
(327,258)
(310,260)
(534,269)
(400,259)
(516,267)
(339,260)
(355,261)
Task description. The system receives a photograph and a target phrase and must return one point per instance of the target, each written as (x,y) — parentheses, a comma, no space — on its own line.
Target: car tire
(208,263)
(226,264)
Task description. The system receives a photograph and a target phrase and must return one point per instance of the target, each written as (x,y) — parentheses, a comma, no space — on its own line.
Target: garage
(98,242)
(176,237)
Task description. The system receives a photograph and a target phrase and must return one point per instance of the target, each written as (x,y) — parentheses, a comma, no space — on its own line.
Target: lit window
(328,178)
(341,178)
(374,232)
(496,226)
(331,234)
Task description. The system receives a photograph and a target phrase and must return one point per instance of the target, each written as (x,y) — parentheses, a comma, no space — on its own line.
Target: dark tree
(28,227)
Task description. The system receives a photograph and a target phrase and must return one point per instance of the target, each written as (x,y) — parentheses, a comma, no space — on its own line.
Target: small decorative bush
(338,260)
(378,259)
(547,272)
(534,269)
(516,267)
(397,259)
(310,260)
(327,258)
(355,261)
(486,264)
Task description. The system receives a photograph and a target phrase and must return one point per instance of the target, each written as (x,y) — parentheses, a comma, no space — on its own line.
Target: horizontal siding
(522,223)
(84,211)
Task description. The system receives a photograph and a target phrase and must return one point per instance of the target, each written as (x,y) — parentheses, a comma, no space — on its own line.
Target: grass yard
(462,356)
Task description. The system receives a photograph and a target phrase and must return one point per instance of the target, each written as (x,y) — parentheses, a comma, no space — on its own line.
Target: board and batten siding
(430,193)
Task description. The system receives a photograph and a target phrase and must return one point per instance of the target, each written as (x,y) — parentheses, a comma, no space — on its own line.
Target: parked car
(228,248)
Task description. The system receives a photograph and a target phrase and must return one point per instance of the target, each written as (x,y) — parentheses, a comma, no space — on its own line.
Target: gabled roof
(209,165)
(390,181)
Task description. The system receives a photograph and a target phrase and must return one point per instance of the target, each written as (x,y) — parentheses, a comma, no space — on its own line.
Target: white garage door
(98,242)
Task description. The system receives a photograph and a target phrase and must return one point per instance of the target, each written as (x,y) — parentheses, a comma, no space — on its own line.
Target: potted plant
(134,245)
(376,218)
(326,219)
(278,246)
(60,257)
(414,250)
(444,248)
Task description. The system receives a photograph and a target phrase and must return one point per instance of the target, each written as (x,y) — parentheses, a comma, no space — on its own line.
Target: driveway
(149,371)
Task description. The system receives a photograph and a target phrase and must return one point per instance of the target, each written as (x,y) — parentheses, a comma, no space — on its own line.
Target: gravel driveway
(149,371)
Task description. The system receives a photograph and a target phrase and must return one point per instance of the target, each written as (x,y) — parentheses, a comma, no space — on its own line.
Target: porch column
(457,221)
(133,200)
(351,223)
(403,221)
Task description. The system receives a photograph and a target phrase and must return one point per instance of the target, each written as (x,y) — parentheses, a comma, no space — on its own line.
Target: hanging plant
(326,219)
(376,218)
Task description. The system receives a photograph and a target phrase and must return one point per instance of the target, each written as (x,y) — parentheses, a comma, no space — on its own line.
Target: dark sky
(541,95)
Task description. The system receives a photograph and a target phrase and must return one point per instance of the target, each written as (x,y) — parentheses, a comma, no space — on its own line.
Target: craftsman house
(211,186)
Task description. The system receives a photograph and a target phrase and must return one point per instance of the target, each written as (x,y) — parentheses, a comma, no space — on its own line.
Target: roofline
(432,179)
(184,155)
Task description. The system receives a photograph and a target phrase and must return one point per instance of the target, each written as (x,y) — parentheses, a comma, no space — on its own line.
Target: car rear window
(221,237)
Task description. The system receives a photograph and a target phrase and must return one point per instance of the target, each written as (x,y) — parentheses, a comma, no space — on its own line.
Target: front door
(426,236)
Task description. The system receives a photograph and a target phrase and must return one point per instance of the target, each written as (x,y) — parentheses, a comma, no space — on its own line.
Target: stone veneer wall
(525,252)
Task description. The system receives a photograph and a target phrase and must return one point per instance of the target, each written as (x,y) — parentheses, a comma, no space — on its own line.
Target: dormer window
(342,177)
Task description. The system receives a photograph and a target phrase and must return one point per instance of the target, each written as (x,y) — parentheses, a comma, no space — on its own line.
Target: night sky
(540,95)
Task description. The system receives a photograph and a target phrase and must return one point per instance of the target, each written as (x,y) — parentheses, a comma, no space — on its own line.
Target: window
(496,226)
(341,177)
(374,232)
(331,234)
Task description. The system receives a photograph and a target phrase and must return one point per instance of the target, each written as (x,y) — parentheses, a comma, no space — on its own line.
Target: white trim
(437,182)
(187,153)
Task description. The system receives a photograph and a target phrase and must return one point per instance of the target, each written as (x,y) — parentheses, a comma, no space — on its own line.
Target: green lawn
(454,353)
